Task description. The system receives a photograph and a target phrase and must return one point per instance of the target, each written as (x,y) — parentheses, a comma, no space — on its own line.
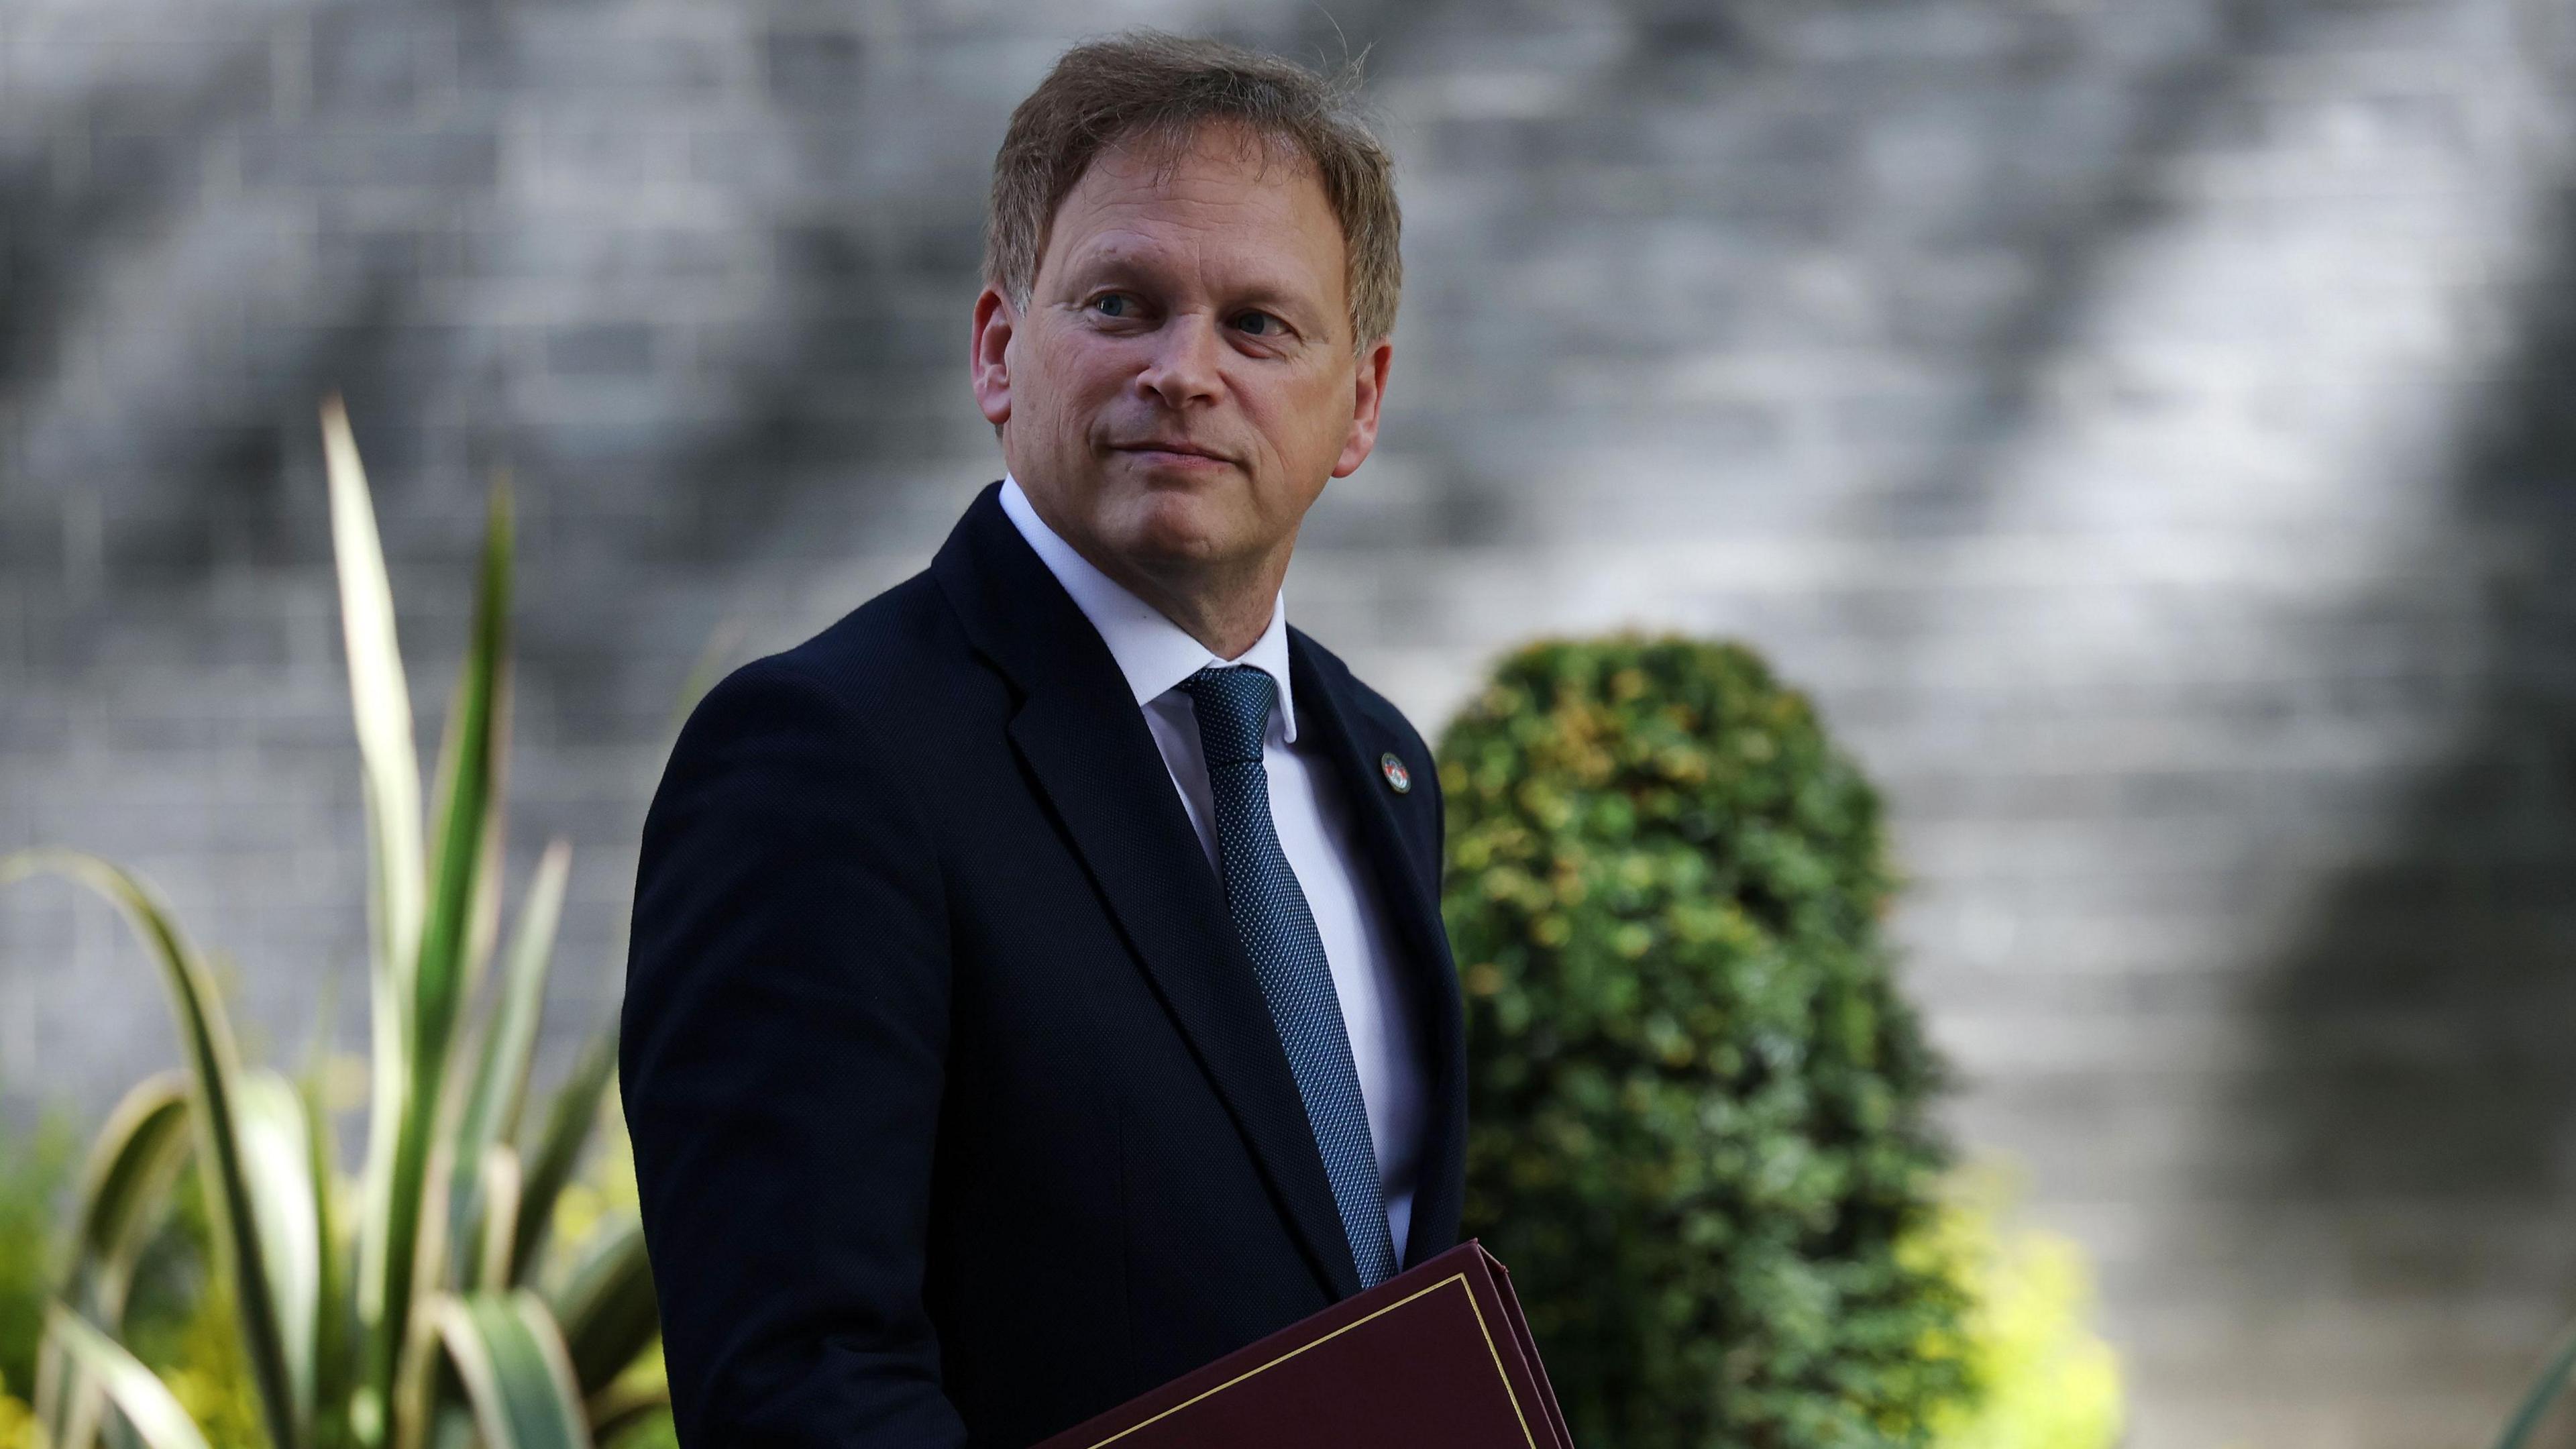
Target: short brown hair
(1162,90)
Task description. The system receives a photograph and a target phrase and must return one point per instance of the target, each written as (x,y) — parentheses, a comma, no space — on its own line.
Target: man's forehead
(1198,199)
(1160,151)
(1134,202)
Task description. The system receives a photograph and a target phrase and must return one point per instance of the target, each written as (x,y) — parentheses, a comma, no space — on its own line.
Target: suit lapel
(1086,743)
(1328,703)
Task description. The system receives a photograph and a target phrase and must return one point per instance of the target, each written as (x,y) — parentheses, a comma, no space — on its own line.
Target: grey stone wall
(2145,426)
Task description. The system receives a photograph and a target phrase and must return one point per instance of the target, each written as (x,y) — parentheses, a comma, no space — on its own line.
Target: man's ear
(1368,393)
(996,322)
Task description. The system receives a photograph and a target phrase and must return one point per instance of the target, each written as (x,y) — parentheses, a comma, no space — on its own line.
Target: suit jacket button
(1398,778)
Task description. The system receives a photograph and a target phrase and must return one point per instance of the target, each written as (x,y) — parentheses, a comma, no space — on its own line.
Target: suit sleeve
(780,1060)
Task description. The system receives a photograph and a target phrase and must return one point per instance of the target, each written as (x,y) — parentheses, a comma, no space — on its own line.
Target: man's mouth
(1171,447)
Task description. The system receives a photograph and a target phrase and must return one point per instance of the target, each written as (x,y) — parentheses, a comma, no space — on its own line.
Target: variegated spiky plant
(421,1324)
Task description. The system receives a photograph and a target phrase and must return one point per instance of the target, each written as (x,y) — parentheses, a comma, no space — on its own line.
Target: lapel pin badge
(1398,778)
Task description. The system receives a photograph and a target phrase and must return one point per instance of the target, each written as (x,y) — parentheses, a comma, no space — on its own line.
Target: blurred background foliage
(2043,1379)
(181,1322)
(33,1171)
(218,1279)
(1699,1110)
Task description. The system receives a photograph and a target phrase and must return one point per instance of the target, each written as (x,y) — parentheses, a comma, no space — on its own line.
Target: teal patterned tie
(1270,914)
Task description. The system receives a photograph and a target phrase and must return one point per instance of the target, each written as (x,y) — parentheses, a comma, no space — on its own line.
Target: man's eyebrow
(1272,295)
(1115,266)
(1119,265)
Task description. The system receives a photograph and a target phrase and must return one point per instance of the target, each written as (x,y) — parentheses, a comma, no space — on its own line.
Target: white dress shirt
(1315,832)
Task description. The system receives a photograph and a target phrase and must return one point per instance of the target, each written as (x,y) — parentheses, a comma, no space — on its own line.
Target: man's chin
(1176,525)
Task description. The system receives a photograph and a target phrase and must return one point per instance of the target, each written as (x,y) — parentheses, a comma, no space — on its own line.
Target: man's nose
(1185,364)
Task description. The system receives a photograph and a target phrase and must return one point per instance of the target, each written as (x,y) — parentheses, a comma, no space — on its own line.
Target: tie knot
(1233,705)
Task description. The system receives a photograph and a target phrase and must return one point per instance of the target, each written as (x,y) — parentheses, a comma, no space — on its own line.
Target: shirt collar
(1153,652)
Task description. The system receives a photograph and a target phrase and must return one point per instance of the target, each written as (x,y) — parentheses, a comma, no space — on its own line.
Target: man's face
(1183,382)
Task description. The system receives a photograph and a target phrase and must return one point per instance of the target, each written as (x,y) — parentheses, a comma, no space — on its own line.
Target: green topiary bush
(1697,1106)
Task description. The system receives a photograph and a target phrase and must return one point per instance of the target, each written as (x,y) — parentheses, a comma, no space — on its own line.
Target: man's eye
(1260,324)
(1112,304)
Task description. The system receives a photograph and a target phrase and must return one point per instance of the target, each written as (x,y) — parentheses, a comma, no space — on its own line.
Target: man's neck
(1227,610)
(1225,606)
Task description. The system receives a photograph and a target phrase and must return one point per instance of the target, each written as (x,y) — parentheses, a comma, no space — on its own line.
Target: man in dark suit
(1038,988)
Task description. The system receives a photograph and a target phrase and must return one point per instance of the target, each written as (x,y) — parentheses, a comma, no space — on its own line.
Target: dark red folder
(1437,1354)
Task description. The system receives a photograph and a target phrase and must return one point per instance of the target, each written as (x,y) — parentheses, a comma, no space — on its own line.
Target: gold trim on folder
(1458,1278)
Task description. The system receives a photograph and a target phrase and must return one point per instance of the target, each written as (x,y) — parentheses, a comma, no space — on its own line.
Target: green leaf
(124,1191)
(330,1289)
(2544,1392)
(568,1127)
(509,1047)
(452,931)
(381,700)
(464,857)
(607,1307)
(390,761)
(621,1406)
(452,1427)
(131,1167)
(205,1034)
(277,1151)
(499,1186)
(68,1403)
(507,1350)
(146,1402)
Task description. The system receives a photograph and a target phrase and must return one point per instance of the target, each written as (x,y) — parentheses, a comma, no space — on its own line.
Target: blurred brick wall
(2146,427)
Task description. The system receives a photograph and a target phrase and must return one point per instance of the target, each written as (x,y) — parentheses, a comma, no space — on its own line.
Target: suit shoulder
(1368,701)
(889,639)
(895,646)
(881,666)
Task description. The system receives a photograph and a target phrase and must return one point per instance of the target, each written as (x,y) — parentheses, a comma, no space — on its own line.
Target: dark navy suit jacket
(958,1116)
